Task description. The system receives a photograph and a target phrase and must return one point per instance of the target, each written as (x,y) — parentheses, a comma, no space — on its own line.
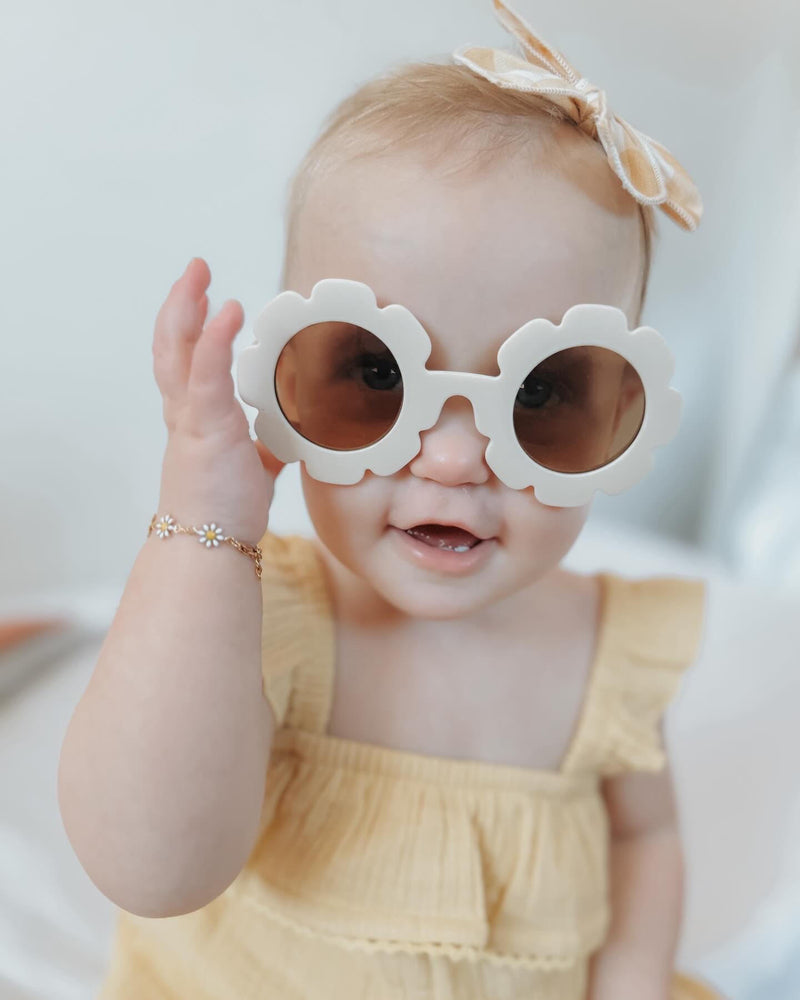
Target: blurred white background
(139,135)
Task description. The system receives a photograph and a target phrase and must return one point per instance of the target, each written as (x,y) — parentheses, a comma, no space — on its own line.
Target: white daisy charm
(165,526)
(209,535)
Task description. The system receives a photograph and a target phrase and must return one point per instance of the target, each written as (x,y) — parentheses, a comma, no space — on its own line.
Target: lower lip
(443,560)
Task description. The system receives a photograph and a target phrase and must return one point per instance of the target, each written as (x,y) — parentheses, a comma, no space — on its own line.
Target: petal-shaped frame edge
(336,300)
(583,324)
(344,300)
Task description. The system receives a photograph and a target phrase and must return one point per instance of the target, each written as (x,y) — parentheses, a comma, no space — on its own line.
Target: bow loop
(591,92)
(648,171)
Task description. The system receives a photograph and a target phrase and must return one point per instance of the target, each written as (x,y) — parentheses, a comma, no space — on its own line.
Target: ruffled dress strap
(652,633)
(297,633)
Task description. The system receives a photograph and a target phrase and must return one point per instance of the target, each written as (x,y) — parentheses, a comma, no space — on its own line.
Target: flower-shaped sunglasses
(341,384)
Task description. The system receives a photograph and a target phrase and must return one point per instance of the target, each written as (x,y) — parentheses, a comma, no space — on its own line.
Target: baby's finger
(210,389)
(178,326)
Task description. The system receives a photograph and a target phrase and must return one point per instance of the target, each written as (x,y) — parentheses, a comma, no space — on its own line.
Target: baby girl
(412,756)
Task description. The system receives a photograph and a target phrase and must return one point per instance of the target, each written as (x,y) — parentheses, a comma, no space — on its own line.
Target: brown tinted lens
(338,385)
(579,409)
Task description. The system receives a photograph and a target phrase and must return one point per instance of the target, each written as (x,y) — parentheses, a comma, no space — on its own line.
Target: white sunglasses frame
(425,391)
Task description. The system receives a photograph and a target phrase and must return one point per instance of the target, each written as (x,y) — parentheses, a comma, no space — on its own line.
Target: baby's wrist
(168,517)
(200,486)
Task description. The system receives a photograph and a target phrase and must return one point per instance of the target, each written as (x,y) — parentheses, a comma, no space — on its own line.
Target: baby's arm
(636,961)
(162,767)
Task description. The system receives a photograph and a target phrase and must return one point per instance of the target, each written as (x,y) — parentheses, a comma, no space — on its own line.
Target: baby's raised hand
(213,470)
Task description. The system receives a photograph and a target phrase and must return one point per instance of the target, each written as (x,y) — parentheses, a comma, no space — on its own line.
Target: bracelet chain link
(208,534)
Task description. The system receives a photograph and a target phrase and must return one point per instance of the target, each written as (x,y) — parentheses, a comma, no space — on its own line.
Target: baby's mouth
(444,536)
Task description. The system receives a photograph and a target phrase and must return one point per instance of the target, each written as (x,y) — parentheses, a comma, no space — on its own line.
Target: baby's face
(473,258)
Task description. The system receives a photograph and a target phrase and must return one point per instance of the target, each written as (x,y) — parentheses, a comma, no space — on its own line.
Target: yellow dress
(381,874)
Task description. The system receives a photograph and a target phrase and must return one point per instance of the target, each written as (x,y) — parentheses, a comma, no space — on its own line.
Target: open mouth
(444,536)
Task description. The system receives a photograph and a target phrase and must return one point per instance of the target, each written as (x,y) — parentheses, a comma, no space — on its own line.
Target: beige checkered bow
(648,171)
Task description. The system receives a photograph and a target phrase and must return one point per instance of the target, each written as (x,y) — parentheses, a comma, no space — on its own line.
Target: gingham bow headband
(647,170)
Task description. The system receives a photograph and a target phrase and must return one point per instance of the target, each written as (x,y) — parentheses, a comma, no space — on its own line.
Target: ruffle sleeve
(654,633)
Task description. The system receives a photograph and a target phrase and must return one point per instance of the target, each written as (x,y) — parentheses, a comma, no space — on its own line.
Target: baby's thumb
(272,464)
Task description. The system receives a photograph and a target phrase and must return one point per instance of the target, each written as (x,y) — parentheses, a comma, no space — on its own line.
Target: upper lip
(455,522)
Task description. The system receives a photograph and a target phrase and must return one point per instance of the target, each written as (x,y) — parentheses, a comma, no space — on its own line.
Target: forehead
(473,256)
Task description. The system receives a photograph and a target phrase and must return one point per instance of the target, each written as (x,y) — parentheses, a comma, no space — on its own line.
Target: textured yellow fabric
(383,874)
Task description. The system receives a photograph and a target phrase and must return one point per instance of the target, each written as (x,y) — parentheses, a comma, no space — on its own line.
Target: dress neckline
(373,757)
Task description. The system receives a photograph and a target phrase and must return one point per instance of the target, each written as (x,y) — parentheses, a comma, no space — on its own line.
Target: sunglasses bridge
(441,385)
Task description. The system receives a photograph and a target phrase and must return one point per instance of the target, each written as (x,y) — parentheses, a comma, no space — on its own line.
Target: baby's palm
(210,457)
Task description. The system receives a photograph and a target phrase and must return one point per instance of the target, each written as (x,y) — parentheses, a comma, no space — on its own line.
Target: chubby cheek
(347,519)
(540,536)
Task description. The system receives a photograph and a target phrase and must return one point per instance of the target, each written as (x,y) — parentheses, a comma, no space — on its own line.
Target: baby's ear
(272,464)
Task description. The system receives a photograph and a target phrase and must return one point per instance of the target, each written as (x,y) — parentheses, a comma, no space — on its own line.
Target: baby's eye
(536,392)
(378,371)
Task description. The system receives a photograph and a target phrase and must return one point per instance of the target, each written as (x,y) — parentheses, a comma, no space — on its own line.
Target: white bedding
(733,732)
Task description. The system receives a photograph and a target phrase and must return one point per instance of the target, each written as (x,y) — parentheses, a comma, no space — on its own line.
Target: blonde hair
(437,107)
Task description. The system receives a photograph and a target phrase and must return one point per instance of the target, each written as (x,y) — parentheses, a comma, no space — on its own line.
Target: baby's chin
(419,592)
(436,601)
(384,583)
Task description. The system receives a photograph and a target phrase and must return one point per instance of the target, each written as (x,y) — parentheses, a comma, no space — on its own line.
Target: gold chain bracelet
(208,535)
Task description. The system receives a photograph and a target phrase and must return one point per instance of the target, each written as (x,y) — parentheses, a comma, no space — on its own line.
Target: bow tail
(632,158)
(683,203)
(536,49)
(648,171)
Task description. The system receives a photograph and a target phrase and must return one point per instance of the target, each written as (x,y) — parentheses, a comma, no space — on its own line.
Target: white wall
(136,136)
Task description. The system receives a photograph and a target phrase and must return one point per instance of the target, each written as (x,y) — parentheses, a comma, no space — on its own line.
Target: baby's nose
(452,451)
